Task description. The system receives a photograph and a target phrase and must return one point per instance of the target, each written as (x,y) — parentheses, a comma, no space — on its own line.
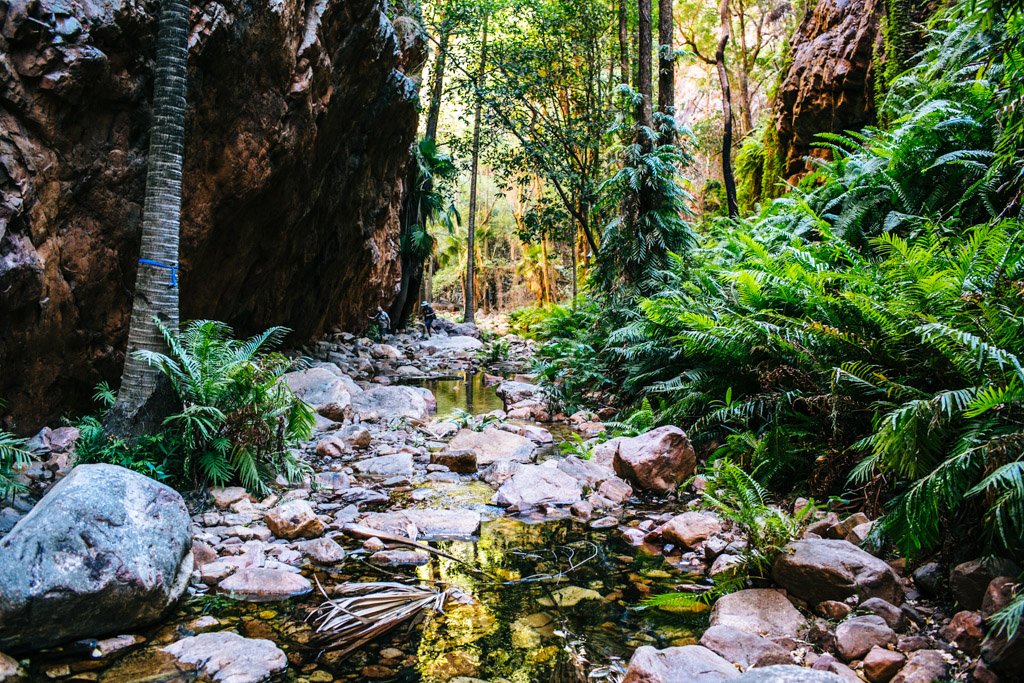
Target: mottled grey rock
(386,403)
(430,524)
(532,486)
(760,611)
(105,551)
(396,465)
(744,648)
(493,444)
(262,584)
(856,636)
(323,390)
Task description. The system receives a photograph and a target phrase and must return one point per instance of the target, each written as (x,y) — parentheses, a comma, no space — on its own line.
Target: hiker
(429,317)
(383,322)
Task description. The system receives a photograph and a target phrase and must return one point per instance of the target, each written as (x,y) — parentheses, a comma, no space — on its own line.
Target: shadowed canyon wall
(300,118)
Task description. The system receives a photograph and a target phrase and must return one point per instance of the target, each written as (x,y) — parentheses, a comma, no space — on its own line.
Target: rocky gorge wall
(829,86)
(300,118)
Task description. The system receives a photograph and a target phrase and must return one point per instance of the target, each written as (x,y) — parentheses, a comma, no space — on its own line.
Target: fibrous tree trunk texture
(666,67)
(156,281)
(469,315)
(645,112)
(624,71)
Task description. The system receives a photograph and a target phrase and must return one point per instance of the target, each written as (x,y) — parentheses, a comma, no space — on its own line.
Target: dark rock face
(300,119)
(105,551)
(829,86)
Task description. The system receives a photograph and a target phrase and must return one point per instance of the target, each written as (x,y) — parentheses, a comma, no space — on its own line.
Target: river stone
(968,580)
(104,551)
(400,558)
(923,666)
(454,343)
(260,584)
(462,461)
(857,635)
(743,648)
(761,611)
(532,486)
(323,551)
(225,497)
(514,392)
(816,570)
(229,658)
(396,465)
(656,461)
(386,403)
(323,390)
(687,664)
(586,472)
(294,519)
(788,674)
(690,529)
(430,524)
(604,453)
(881,664)
(9,668)
(493,444)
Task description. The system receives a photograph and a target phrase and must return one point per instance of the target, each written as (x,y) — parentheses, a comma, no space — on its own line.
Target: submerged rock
(431,524)
(105,551)
(229,658)
(743,648)
(690,529)
(816,570)
(788,674)
(294,519)
(656,461)
(387,403)
(515,392)
(260,584)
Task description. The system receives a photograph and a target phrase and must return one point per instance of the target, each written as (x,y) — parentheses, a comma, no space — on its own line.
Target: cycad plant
(13,457)
(238,418)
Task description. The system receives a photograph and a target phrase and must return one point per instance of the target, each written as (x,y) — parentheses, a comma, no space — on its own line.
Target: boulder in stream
(493,444)
(386,403)
(657,461)
(817,569)
(322,389)
(533,486)
(690,663)
(229,658)
(105,551)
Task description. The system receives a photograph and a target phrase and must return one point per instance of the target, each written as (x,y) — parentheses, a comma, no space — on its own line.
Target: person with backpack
(383,322)
(429,317)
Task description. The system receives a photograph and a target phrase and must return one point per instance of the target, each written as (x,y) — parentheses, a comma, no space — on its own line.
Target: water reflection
(467,392)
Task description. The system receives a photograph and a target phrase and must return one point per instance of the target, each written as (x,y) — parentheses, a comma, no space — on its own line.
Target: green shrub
(13,457)
(238,418)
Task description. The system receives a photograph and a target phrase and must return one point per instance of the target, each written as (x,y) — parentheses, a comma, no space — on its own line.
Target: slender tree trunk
(156,298)
(624,71)
(666,68)
(723,78)
(645,112)
(470,313)
(437,82)
(746,113)
(572,254)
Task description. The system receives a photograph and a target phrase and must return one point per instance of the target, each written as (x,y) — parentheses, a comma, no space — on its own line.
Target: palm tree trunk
(156,282)
(470,313)
(723,77)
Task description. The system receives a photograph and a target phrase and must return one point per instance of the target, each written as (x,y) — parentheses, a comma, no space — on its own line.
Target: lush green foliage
(237,418)
(13,457)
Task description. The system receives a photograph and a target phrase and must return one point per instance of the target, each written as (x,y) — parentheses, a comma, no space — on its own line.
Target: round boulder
(105,551)
(656,461)
(816,570)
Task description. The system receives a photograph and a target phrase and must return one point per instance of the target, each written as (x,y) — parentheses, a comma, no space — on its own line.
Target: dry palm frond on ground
(363,611)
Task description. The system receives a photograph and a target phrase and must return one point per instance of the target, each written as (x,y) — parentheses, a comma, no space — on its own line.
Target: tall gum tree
(143,398)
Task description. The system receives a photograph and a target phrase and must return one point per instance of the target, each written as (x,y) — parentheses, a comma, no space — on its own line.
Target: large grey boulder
(761,611)
(788,674)
(229,658)
(744,649)
(105,551)
(456,343)
(493,444)
(391,402)
(533,486)
(689,664)
(322,389)
(514,392)
(816,570)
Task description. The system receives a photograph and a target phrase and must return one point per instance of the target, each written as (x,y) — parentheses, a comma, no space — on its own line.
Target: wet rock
(538,435)
(656,461)
(400,558)
(261,584)
(615,490)
(323,551)
(397,465)
(294,519)
(529,409)
(569,596)
(822,569)
(965,631)
(857,635)
(880,665)
(744,648)
(690,529)
(587,472)
(105,551)
(788,674)
(969,580)
(229,658)
(497,473)
(532,486)
(430,524)
(386,403)
(515,392)
(463,461)
(323,390)
(493,444)
(923,666)
(760,611)
(691,663)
